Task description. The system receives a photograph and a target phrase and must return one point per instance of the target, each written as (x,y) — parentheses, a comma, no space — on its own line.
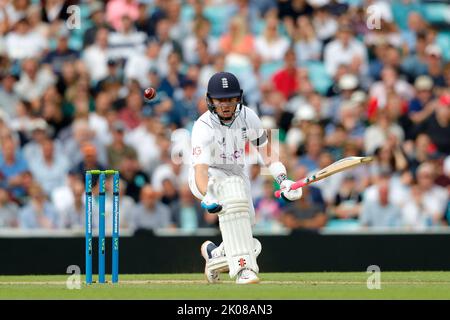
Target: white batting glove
(210,202)
(287,193)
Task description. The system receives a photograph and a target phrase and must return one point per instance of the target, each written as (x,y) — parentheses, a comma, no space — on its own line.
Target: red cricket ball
(150,93)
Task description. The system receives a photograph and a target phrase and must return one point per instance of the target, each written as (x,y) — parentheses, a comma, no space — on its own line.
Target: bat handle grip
(294,186)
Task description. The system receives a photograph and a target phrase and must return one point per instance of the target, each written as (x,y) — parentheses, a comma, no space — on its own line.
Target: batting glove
(287,193)
(210,202)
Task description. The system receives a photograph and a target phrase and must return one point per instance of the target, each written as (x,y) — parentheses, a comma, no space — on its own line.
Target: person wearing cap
(419,107)
(435,65)
(348,83)
(218,155)
(301,122)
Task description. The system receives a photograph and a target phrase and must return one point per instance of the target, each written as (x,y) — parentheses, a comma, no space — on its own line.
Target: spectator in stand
(379,210)
(81,134)
(8,97)
(95,56)
(98,19)
(415,64)
(12,166)
(144,140)
(435,65)
(133,175)
(126,41)
(420,107)
(286,79)
(270,44)
(9,211)
(378,133)
(267,209)
(238,40)
(116,9)
(427,202)
(201,33)
(126,207)
(74,213)
(189,214)
(39,213)
(437,125)
(23,42)
(313,148)
(33,81)
(49,168)
(309,211)
(347,203)
(174,78)
(55,11)
(139,65)
(62,53)
(307,46)
(345,49)
(118,149)
(150,212)
(90,160)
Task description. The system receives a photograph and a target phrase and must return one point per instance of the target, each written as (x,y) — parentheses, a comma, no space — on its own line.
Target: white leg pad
(235,225)
(220,264)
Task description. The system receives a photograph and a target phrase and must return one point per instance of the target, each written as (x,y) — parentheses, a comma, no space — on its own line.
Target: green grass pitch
(292,286)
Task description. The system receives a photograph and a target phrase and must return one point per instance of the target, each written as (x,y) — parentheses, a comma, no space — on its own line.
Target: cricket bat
(335,167)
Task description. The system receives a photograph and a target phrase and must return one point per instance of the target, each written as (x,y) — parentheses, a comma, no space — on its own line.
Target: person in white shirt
(345,50)
(218,177)
(23,43)
(426,203)
(270,44)
(139,65)
(96,56)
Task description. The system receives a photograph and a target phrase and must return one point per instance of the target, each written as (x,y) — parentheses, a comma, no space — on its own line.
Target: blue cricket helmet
(224,85)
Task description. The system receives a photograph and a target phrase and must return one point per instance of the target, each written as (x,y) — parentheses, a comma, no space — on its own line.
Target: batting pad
(220,264)
(235,225)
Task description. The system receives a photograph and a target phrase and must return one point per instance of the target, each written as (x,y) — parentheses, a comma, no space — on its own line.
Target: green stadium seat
(269,68)
(443,41)
(437,12)
(347,225)
(401,12)
(320,79)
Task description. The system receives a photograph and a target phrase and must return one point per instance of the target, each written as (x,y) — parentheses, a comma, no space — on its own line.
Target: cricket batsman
(218,179)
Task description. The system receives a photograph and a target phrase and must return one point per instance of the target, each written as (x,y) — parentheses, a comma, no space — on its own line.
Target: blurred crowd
(332,78)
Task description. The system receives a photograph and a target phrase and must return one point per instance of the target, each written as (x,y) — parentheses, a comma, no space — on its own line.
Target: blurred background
(337,78)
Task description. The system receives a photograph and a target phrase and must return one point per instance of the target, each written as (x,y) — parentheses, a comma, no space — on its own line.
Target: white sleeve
(256,133)
(201,143)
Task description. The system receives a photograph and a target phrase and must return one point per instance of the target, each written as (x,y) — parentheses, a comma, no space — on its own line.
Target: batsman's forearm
(201,177)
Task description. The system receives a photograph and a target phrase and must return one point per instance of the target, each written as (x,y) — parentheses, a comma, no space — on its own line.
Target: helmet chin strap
(213,110)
